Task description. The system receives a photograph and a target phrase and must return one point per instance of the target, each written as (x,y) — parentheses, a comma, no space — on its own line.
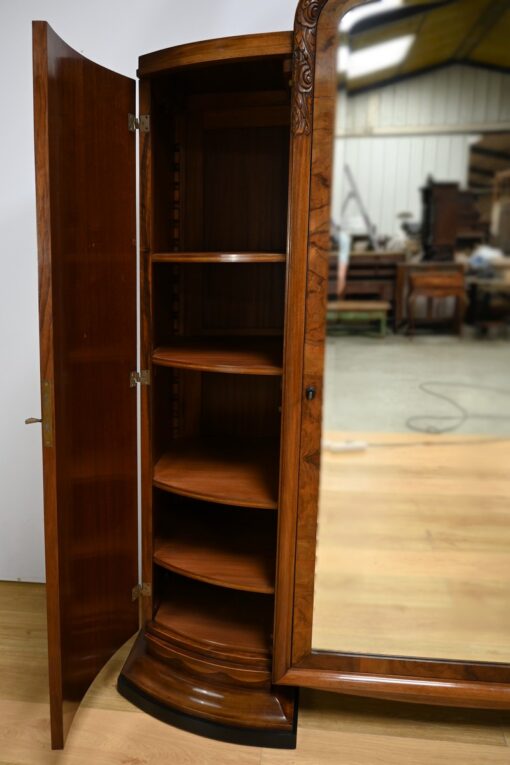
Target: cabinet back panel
(240,406)
(245,188)
(248,298)
(228,126)
(214,299)
(165,137)
(190,404)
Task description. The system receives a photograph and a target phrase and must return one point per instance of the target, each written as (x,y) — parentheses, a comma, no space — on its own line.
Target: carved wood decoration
(305,33)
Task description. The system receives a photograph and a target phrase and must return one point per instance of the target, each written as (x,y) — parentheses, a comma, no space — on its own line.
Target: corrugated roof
(469,31)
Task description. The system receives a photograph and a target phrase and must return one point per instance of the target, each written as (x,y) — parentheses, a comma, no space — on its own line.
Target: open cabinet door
(85,179)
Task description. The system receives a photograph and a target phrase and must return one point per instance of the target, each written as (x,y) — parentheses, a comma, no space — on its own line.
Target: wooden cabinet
(214,175)
(234,155)
(214,179)
(451,219)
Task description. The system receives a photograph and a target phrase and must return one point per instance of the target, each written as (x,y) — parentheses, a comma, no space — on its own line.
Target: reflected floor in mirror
(413,551)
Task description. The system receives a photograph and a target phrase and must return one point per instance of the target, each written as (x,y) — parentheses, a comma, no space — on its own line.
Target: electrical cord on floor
(413,423)
(456,420)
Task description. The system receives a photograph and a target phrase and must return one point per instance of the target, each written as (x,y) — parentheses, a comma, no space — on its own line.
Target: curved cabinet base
(233,735)
(252,716)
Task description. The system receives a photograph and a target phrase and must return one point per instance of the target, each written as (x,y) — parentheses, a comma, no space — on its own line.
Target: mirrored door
(413,544)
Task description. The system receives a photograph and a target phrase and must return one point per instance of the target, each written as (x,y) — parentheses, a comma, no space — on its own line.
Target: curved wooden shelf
(239,355)
(215,621)
(226,471)
(229,547)
(218,257)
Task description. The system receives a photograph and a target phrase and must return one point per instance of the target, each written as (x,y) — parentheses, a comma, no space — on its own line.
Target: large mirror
(413,548)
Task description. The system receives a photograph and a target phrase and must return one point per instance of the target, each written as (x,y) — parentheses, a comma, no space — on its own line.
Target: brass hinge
(47,412)
(46,418)
(141,123)
(142,378)
(141,591)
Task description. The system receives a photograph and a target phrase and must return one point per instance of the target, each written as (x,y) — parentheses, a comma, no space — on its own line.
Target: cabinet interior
(221,146)
(219,169)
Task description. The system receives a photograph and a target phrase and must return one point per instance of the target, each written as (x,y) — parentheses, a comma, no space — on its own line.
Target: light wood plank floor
(415,540)
(107,730)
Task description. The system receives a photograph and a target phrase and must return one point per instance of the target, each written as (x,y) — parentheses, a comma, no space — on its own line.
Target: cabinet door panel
(85,182)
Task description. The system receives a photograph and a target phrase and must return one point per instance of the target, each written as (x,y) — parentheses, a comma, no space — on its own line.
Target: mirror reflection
(413,555)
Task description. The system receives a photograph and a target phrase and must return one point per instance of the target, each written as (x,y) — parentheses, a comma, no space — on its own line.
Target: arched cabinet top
(240,48)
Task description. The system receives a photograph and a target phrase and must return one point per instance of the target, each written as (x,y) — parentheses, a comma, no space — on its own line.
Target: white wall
(113,33)
(453,97)
(395,136)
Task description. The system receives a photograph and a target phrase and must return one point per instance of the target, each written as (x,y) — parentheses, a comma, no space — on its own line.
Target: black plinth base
(272,739)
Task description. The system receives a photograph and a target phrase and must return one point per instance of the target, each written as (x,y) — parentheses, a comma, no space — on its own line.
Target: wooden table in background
(404,270)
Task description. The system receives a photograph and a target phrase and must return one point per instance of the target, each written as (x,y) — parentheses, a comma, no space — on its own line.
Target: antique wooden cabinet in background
(233,274)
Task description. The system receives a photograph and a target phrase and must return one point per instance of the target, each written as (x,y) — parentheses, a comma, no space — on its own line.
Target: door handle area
(47,413)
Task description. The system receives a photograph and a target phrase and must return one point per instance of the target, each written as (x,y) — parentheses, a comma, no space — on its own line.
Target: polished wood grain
(434,670)
(228,471)
(47,361)
(147,225)
(242,356)
(458,693)
(214,189)
(218,619)
(324,112)
(294,384)
(218,257)
(243,669)
(85,181)
(230,547)
(107,728)
(244,706)
(235,49)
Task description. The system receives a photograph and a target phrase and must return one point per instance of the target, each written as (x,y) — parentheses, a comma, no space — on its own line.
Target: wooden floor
(107,730)
(415,539)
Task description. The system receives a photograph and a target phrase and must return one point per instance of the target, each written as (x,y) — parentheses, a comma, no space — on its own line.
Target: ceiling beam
(395,15)
(481,171)
(488,18)
(484,151)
